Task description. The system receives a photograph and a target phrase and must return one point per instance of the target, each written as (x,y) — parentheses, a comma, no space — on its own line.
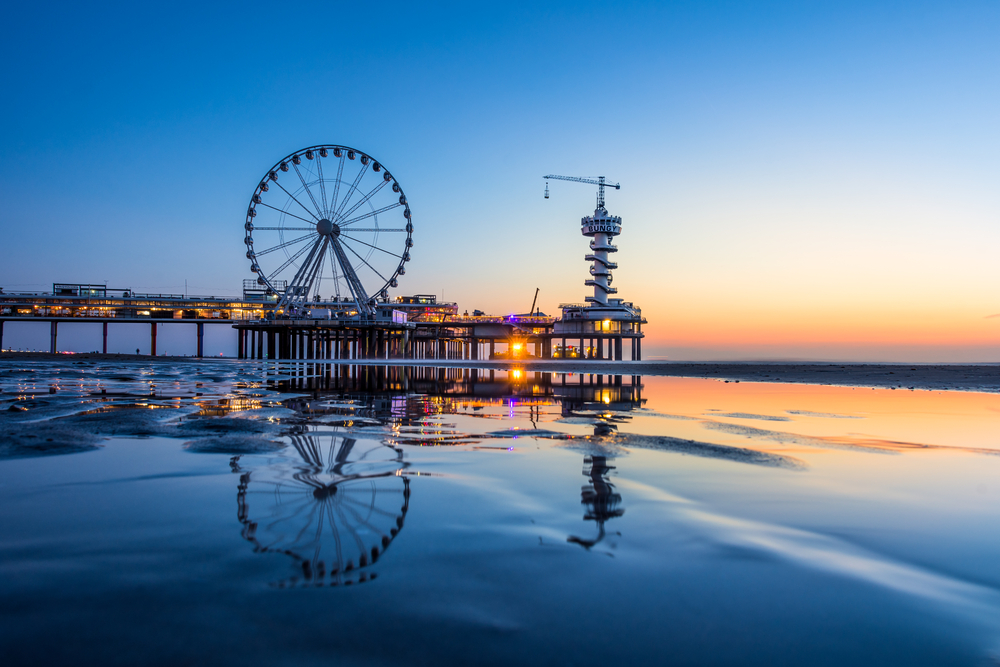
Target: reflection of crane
(534,301)
(599,183)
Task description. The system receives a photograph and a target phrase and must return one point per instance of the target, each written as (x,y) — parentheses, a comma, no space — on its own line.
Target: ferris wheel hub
(324,492)
(324,227)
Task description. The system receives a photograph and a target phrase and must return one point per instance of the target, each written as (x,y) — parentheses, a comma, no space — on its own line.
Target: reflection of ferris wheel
(322,225)
(333,505)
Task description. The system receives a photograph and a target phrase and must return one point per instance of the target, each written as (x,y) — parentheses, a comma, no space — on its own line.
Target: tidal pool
(230,512)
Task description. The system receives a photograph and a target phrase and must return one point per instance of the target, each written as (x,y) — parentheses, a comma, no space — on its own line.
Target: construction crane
(599,182)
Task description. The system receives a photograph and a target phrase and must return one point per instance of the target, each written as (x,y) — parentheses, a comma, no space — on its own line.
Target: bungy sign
(601,228)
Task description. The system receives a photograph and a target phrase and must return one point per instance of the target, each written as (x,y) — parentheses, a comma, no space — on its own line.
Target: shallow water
(226,512)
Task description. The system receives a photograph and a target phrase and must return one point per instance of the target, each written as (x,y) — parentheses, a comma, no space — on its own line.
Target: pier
(325,295)
(100,305)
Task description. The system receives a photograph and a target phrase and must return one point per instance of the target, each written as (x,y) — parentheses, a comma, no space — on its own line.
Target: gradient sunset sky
(809,180)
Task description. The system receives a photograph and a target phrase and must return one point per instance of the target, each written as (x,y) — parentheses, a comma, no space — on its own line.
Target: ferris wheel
(328,225)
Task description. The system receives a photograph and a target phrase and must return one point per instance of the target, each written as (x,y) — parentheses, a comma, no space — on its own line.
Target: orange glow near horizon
(843,330)
(880,418)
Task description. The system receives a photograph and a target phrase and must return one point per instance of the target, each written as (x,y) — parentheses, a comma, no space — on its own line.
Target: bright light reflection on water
(230,512)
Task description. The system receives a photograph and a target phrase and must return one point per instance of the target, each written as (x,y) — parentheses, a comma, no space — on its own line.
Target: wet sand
(954,377)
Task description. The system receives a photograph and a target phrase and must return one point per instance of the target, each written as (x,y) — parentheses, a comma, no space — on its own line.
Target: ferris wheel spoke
(319,532)
(312,268)
(364,518)
(375,510)
(317,508)
(350,529)
(369,214)
(285,229)
(306,448)
(365,262)
(342,235)
(353,282)
(336,541)
(350,193)
(322,185)
(333,268)
(354,230)
(319,270)
(363,521)
(296,201)
(365,198)
(285,212)
(284,245)
(336,187)
(308,191)
(287,263)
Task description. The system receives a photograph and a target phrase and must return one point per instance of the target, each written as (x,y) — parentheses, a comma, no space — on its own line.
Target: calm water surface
(238,512)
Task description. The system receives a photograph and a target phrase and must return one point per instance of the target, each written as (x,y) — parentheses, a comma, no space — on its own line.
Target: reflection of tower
(333,507)
(600,498)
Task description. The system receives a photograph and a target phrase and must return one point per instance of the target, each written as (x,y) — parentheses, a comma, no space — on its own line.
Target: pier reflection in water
(334,501)
(572,391)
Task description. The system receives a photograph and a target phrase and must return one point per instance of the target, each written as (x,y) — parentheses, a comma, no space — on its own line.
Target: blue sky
(792,163)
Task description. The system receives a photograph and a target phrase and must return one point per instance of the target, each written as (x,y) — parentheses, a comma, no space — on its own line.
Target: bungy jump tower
(601,318)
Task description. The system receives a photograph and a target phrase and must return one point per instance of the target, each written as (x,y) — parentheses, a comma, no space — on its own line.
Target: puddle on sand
(457,516)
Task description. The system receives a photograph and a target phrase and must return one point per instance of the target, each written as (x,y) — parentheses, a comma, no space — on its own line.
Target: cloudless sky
(799,180)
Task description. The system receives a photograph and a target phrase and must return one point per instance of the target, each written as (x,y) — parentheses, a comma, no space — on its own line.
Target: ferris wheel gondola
(328,226)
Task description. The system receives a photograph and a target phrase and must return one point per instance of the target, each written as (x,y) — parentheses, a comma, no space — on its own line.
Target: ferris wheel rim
(294,159)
